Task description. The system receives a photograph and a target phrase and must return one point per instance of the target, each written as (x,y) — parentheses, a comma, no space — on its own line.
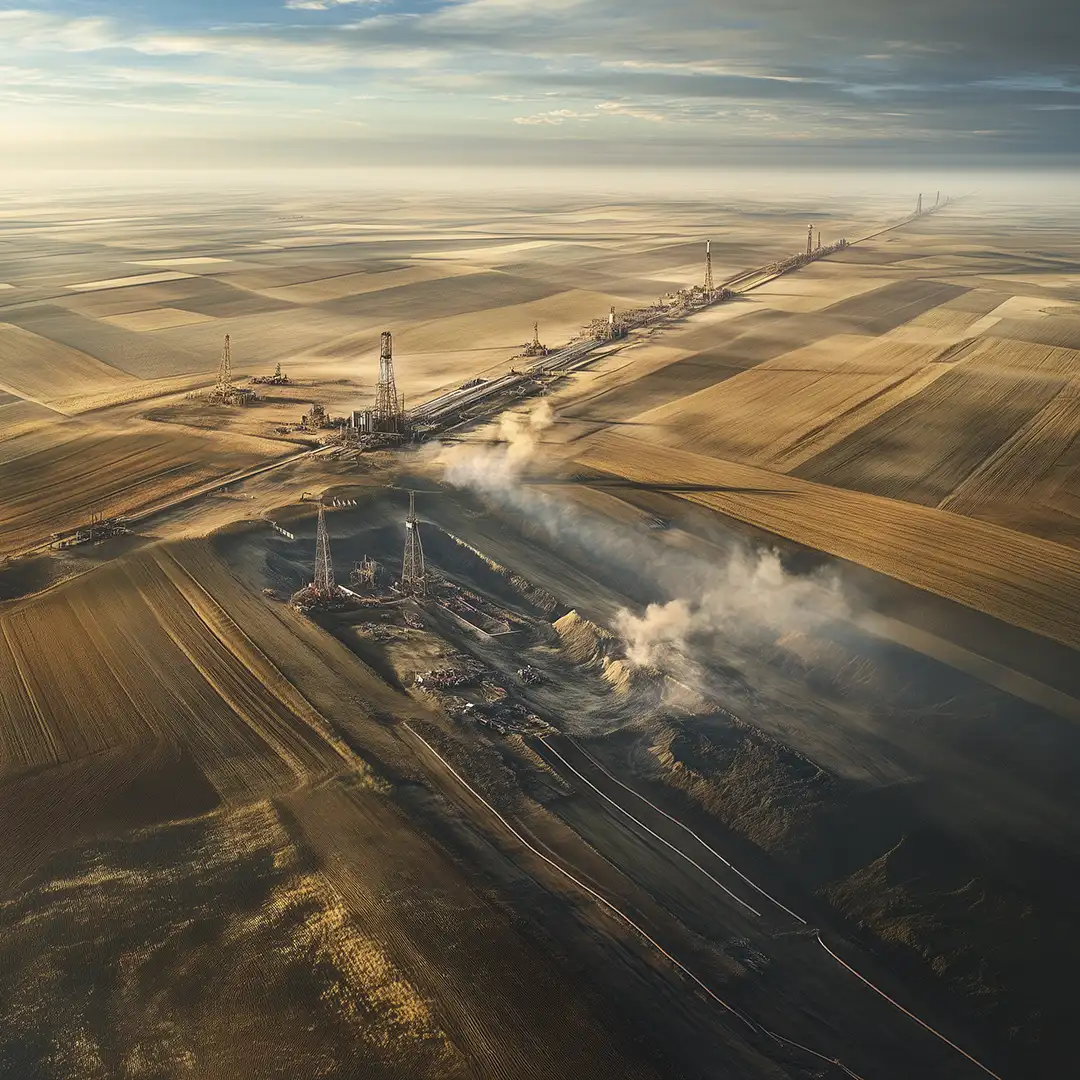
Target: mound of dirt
(583,641)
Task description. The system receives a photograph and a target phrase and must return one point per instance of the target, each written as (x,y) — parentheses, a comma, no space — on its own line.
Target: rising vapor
(745,595)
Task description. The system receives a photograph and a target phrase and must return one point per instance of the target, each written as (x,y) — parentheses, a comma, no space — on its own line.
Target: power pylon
(412,566)
(708,270)
(388,410)
(323,585)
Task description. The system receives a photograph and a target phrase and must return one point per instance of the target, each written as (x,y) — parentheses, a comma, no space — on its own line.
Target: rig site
(687,690)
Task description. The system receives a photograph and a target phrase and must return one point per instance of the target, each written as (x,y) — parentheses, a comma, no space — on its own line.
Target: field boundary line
(752,1024)
(906,1012)
(687,829)
(607,798)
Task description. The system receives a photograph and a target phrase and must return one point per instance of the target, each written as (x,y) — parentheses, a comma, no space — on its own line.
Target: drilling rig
(323,592)
(224,392)
(413,578)
(389,414)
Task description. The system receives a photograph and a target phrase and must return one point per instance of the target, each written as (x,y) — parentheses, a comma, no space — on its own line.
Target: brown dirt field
(51,487)
(18,418)
(46,372)
(322,289)
(757,415)
(125,634)
(1023,468)
(1020,579)
(164,318)
(925,446)
(819,440)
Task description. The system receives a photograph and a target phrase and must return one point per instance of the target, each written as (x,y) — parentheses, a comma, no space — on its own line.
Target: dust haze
(744,595)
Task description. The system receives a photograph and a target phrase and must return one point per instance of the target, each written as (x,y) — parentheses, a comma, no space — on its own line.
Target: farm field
(944,380)
(1019,579)
(799,573)
(53,478)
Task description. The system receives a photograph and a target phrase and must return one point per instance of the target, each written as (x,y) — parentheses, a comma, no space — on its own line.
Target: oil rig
(534,348)
(225,392)
(323,593)
(386,421)
(413,574)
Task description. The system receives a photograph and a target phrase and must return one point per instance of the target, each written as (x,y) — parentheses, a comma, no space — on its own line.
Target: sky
(620,83)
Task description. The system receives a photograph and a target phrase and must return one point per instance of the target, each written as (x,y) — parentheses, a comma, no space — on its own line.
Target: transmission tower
(323,585)
(224,379)
(412,566)
(708,270)
(388,411)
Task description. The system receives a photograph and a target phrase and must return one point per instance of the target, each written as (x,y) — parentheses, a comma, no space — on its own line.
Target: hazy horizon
(89,83)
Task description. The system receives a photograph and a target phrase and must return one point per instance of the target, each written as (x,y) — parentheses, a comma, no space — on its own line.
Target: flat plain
(240,841)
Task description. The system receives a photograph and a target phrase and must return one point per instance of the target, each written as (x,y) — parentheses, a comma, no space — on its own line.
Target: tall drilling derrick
(224,379)
(708,270)
(323,585)
(389,414)
(818,248)
(412,566)
(937,199)
(809,239)
(918,204)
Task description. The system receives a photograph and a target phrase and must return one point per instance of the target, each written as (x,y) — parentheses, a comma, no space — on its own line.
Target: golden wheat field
(1019,579)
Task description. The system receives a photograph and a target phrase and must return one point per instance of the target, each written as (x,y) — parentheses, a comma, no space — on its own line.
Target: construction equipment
(315,419)
(364,574)
(99,528)
(413,577)
(277,379)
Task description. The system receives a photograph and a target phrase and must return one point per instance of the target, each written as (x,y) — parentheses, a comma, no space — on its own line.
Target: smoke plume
(491,470)
(748,597)
(688,604)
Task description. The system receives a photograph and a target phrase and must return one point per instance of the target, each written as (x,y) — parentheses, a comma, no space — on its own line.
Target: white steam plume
(748,597)
(742,596)
(490,470)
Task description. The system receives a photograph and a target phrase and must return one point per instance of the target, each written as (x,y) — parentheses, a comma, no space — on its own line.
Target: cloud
(991,74)
(620,108)
(554,116)
(326,5)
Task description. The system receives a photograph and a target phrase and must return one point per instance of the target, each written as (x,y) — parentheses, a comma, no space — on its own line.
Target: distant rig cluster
(387,423)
